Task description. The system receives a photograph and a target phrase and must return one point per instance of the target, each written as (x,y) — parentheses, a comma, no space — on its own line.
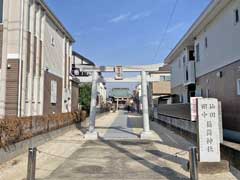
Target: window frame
(238,87)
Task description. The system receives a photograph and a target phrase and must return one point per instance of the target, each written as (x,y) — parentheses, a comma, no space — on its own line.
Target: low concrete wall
(175,110)
(183,124)
(182,111)
(229,151)
(21,147)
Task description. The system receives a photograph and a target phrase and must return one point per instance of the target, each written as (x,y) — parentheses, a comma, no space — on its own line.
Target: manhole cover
(88,169)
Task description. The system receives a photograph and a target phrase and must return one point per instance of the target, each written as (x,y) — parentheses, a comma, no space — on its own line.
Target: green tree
(85,96)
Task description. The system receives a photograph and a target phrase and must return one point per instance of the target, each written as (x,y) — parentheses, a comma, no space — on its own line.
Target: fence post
(193,163)
(32,152)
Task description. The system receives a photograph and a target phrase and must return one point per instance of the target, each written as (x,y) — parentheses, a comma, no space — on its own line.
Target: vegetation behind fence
(14,129)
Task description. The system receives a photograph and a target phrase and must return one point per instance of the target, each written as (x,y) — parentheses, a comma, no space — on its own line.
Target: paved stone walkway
(70,157)
(117,160)
(118,127)
(129,158)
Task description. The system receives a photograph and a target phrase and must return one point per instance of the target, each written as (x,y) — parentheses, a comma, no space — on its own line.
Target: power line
(165,30)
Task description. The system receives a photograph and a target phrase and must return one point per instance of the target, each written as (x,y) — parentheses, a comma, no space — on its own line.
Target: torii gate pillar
(92,133)
(146,134)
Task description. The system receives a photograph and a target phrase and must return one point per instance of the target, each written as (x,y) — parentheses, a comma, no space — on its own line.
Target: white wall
(177,72)
(102,92)
(53,55)
(223,41)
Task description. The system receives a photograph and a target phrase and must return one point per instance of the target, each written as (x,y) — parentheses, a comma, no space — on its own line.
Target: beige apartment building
(35,58)
(206,61)
(160,92)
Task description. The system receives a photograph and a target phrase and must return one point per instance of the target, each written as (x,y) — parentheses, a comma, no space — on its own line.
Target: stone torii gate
(144,79)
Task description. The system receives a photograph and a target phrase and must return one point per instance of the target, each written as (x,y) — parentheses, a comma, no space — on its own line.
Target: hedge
(16,129)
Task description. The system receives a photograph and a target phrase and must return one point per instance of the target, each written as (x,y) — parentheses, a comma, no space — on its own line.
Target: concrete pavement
(70,157)
(130,158)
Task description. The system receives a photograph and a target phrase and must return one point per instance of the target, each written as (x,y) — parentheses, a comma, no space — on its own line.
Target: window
(186,75)
(167,78)
(199,92)
(191,55)
(162,78)
(184,60)
(181,98)
(52,41)
(198,52)
(238,87)
(53,92)
(1,11)
(206,42)
(236,16)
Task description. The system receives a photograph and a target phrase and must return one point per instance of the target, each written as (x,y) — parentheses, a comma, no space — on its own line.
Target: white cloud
(176,27)
(130,17)
(119,18)
(140,15)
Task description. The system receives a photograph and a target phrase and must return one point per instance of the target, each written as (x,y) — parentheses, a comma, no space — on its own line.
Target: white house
(206,61)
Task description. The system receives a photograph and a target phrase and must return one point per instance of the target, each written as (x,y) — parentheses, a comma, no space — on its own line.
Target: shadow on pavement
(134,120)
(169,157)
(170,138)
(164,171)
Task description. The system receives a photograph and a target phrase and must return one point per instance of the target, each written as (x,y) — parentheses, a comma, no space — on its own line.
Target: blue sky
(126,32)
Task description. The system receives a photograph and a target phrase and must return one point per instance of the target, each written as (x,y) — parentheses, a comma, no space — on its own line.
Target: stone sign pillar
(92,134)
(209,137)
(208,125)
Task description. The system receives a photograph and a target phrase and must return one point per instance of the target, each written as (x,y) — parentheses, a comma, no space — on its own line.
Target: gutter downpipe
(21,60)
